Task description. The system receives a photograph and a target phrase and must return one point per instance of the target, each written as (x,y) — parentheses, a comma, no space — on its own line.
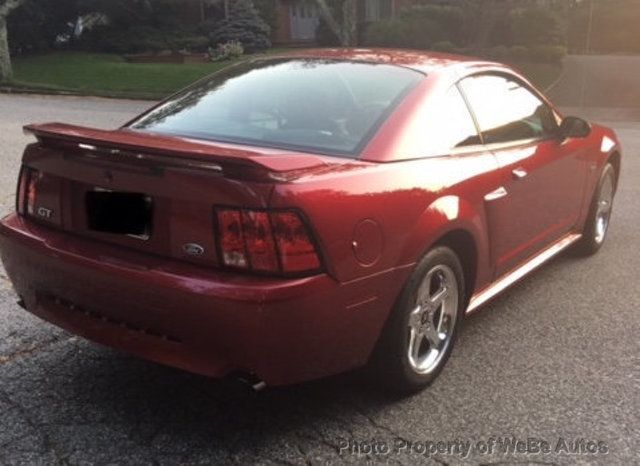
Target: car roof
(423,61)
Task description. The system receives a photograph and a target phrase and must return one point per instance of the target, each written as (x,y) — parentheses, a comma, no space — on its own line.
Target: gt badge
(43,212)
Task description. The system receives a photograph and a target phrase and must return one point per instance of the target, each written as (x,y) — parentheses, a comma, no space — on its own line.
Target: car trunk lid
(152,193)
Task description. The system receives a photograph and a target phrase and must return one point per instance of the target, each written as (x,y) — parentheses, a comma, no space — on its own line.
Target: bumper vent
(72,307)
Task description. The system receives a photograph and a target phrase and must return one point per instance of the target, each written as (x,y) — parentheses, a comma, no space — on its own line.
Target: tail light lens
(266,241)
(297,252)
(259,240)
(231,239)
(27,191)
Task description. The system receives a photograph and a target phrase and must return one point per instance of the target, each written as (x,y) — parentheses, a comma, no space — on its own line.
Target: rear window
(322,106)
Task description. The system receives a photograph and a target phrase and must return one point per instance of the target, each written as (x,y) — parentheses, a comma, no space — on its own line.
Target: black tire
(592,239)
(391,362)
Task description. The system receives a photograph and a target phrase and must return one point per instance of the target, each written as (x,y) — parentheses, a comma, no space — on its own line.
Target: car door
(542,177)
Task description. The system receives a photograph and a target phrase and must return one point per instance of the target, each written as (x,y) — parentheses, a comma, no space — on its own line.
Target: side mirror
(574,127)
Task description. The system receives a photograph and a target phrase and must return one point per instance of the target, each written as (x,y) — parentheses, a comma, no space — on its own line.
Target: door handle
(519,173)
(496,194)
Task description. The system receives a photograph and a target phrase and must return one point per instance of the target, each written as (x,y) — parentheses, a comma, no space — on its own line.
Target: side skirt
(504,282)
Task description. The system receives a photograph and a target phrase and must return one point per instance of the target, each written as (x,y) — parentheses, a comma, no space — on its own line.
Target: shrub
(444,46)
(268,11)
(540,53)
(244,25)
(451,21)
(387,33)
(518,53)
(547,53)
(498,53)
(406,33)
(133,40)
(227,51)
(536,26)
(325,36)
(419,27)
(190,42)
(500,32)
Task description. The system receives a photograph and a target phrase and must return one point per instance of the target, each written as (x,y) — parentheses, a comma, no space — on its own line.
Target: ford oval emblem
(193,249)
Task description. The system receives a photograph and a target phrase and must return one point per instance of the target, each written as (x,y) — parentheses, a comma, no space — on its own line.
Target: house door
(304,20)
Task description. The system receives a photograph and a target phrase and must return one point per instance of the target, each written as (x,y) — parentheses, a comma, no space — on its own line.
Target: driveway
(599,86)
(555,359)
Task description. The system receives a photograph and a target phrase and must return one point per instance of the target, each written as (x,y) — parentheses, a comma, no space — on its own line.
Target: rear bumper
(203,321)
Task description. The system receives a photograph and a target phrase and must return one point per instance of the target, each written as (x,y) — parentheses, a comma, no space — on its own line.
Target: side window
(507,111)
(449,125)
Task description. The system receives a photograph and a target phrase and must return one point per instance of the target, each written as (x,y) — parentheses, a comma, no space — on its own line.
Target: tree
(244,25)
(605,26)
(537,26)
(39,25)
(344,24)
(123,14)
(6,7)
(488,16)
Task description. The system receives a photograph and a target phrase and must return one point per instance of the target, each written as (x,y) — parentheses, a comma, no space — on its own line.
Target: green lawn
(106,75)
(111,75)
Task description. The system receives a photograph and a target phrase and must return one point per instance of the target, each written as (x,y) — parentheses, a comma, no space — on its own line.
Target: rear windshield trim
(244,142)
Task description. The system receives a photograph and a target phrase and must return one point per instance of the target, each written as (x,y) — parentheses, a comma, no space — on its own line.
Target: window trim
(517,142)
(462,150)
(458,85)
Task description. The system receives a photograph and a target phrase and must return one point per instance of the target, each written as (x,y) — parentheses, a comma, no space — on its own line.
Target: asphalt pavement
(555,359)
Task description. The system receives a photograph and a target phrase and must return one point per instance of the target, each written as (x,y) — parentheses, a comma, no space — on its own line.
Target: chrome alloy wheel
(433,319)
(605,204)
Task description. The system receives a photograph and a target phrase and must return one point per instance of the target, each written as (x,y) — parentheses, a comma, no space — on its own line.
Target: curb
(62,93)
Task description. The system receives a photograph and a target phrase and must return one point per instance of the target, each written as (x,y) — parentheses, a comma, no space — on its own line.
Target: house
(299,19)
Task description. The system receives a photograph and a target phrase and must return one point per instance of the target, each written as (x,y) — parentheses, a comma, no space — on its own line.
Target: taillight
(297,251)
(266,241)
(27,191)
(259,240)
(231,239)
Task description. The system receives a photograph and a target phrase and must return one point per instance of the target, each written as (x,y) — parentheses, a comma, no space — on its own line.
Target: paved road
(556,357)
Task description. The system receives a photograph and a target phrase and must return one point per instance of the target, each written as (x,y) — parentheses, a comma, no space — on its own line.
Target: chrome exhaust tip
(259,386)
(256,384)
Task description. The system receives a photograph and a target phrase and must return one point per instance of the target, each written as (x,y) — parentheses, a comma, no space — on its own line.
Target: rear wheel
(597,225)
(421,332)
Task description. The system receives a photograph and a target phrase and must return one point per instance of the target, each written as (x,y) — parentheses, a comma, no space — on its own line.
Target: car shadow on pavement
(155,405)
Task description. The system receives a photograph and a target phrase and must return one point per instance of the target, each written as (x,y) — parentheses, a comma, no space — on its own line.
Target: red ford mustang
(298,216)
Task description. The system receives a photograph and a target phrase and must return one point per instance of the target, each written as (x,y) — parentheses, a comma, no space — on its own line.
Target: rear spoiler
(125,142)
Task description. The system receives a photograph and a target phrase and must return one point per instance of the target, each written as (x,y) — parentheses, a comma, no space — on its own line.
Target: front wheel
(422,328)
(597,225)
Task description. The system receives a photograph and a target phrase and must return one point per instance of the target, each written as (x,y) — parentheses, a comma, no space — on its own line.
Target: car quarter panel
(394,210)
